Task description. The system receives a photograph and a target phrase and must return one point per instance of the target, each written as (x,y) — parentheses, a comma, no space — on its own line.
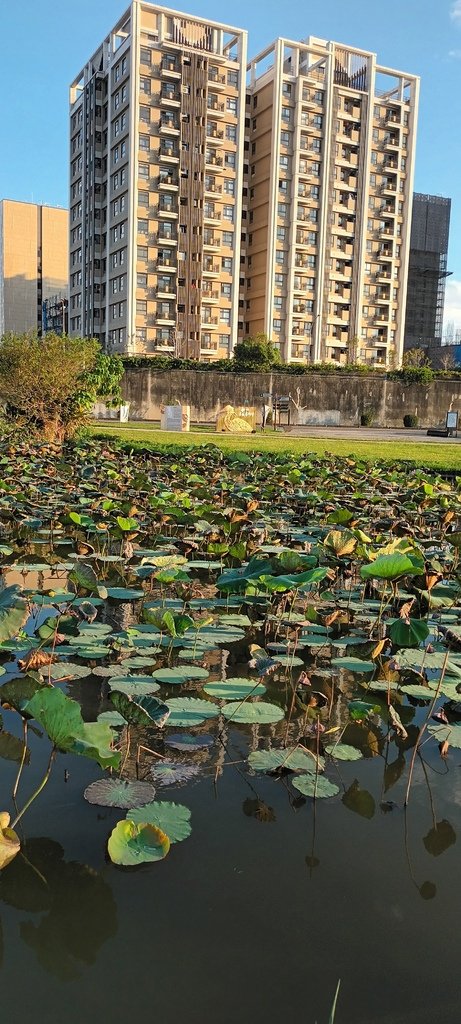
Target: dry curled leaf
(35,660)
(406,609)
(332,618)
(377,650)
(444,748)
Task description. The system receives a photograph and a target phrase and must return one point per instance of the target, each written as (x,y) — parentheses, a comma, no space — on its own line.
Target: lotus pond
(230,736)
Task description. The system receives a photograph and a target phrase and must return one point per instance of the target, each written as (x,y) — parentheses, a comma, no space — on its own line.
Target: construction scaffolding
(427,271)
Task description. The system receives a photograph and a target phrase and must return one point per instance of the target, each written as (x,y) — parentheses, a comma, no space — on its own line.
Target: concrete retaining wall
(321,400)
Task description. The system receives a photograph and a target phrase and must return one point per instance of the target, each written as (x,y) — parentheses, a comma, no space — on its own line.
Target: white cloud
(453,302)
(455,12)
(455,54)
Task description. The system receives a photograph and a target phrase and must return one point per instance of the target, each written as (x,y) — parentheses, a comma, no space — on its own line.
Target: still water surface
(247,920)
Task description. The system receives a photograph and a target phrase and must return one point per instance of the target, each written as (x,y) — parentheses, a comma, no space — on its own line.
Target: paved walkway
(370,434)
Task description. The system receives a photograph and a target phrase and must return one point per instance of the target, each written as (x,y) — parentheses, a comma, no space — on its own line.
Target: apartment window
(141,307)
(279,257)
(228,213)
(317,121)
(229,186)
(228,239)
(403,163)
(143,170)
(286,89)
(145,85)
(286,114)
(375,134)
(230,160)
(231,132)
(227,264)
(233,78)
(231,105)
(144,142)
(279,280)
(224,316)
(144,113)
(143,227)
(226,291)
(283,162)
(373,180)
(277,326)
(282,210)
(311,238)
(285,138)
(374,157)
(318,96)
(278,302)
(146,55)
(142,253)
(281,234)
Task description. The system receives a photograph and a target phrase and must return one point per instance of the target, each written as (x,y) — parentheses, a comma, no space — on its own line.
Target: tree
(255,355)
(52,383)
(415,357)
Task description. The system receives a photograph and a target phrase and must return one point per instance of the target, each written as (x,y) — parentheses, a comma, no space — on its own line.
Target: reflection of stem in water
(37,792)
(431,799)
(23,758)
(424,725)
(427,890)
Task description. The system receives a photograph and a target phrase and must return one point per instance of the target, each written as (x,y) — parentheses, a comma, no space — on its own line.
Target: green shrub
(410,421)
(366,419)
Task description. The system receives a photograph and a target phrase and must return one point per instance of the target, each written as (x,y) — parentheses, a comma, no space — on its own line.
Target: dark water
(235,924)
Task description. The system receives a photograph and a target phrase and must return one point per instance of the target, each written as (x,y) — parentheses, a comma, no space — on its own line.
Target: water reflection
(79,909)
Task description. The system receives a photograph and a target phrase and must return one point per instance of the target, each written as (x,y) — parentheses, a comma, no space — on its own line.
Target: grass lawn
(439,456)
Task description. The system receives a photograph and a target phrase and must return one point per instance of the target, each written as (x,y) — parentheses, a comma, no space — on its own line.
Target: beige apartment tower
(34,245)
(330,186)
(156,151)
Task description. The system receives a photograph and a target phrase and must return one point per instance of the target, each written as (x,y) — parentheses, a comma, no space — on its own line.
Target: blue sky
(44,45)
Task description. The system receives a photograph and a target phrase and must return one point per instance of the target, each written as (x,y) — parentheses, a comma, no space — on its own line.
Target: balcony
(168,127)
(213,132)
(211,268)
(217,80)
(210,295)
(170,69)
(300,308)
(392,142)
(164,291)
(211,160)
(170,97)
(380,298)
(216,106)
(211,242)
(210,214)
(169,154)
(165,237)
(169,182)
(167,210)
(211,186)
(303,263)
(385,253)
(382,275)
(388,186)
(167,263)
(302,330)
(302,238)
(209,321)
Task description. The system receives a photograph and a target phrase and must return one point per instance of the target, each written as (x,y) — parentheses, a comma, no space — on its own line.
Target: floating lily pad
(190,711)
(353,665)
(259,713)
(131,843)
(124,593)
(343,752)
(119,793)
(292,758)
(66,670)
(234,689)
(318,787)
(173,773)
(172,819)
(133,687)
(187,742)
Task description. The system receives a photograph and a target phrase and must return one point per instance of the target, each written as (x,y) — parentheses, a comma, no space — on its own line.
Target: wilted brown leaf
(35,660)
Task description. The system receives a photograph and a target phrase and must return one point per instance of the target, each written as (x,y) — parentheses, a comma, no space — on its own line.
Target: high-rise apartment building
(33,262)
(427,271)
(156,149)
(330,183)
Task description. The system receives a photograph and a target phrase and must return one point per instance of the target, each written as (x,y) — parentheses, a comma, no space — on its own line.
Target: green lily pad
(144,710)
(131,844)
(190,711)
(447,733)
(172,819)
(353,665)
(133,687)
(62,719)
(344,752)
(66,670)
(318,787)
(234,689)
(259,713)
(292,758)
(124,593)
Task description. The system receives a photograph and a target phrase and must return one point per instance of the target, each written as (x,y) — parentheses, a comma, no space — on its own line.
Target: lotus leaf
(10,844)
(260,713)
(190,711)
(316,786)
(292,758)
(13,612)
(172,819)
(131,844)
(233,689)
(173,773)
(119,793)
(343,752)
(187,742)
(144,710)
(62,719)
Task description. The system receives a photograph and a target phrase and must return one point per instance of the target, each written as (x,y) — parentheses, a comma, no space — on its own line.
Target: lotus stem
(37,792)
(23,758)
(424,726)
